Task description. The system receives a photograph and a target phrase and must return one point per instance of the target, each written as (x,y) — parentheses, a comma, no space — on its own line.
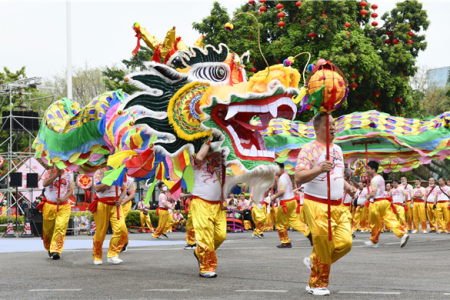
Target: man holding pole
(55,210)
(327,219)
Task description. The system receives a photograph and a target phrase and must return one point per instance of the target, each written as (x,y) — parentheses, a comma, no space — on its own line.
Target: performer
(442,214)
(208,208)
(165,219)
(408,212)
(381,209)
(259,217)
(190,232)
(418,207)
(178,220)
(172,204)
(429,202)
(347,200)
(55,208)
(232,202)
(144,216)
(287,213)
(299,196)
(247,213)
(107,209)
(311,169)
(399,196)
(127,202)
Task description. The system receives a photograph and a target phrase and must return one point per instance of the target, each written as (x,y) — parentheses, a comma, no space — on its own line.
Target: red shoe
(147,231)
(140,230)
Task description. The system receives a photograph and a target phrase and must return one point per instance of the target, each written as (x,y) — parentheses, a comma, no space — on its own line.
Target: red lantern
(374,23)
(347,25)
(353,85)
(409,42)
(363,12)
(262,9)
(280,6)
(376,103)
(324,16)
(395,42)
(362,4)
(398,100)
(326,26)
(312,35)
(374,15)
(251,2)
(298,4)
(411,34)
(281,15)
(376,94)
(354,76)
(374,6)
(262,2)
(253,69)
(388,33)
(281,24)
(348,33)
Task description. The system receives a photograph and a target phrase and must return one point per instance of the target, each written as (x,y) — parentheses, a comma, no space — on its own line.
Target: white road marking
(370,293)
(447,294)
(263,291)
(55,290)
(166,290)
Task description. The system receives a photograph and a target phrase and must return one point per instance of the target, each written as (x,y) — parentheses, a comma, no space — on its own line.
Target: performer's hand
(118,203)
(59,172)
(352,191)
(326,166)
(59,200)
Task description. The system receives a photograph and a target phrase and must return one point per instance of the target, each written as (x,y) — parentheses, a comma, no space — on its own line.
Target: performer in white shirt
(429,202)
(399,196)
(441,200)
(408,212)
(419,207)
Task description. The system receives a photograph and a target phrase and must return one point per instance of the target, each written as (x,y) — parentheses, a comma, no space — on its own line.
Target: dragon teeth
(232,111)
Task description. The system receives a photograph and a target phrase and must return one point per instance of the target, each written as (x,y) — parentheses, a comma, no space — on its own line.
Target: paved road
(248,269)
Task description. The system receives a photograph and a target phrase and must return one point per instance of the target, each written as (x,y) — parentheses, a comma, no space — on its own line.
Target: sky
(33,33)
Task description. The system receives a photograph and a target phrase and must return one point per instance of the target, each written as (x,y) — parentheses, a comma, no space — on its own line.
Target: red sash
(211,202)
(298,205)
(160,208)
(418,201)
(283,204)
(106,200)
(324,201)
(45,200)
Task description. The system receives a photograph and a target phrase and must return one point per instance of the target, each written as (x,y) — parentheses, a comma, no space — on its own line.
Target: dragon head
(204,93)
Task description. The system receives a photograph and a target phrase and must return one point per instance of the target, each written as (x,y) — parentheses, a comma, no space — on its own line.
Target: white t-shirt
(362,196)
(419,190)
(408,188)
(313,155)
(377,184)
(162,199)
(430,192)
(110,191)
(206,184)
(51,191)
(142,206)
(397,195)
(285,184)
(245,204)
(441,196)
(131,186)
(302,195)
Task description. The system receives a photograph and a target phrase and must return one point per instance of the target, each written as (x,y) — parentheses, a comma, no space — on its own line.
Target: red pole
(328,177)
(367,160)
(59,192)
(117,199)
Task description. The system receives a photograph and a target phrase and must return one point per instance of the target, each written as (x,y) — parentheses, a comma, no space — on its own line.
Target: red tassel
(138,46)
(173,51)
(329,105)
(157,55)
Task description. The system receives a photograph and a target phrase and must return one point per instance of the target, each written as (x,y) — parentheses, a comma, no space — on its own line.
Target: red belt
(106,200)
(324,201)
(160,208)
(442,201)
(347,204)
(283,204)
(418,201)
(56,203)
(298,206)
(390,201)
(45,200)
(211,202)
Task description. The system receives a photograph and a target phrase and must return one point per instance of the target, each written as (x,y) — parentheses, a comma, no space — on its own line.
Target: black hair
(160,184)
(395,180)
(280,165)
(373,165)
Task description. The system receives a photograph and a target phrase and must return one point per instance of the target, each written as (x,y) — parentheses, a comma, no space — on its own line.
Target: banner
(84,182)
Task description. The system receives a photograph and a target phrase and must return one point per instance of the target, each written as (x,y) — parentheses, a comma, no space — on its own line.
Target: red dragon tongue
(250,127)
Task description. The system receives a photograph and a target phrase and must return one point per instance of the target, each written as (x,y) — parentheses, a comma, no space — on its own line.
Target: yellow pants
(259,217)
(126,209)
(268,226)
(419,215)
(349,208)
(380,212)
(165,221)
(409,215)
(169,224)
(431,216)
(289,219)
(325,252)
(301,215)
(190,232)
(442,216)
(210,225)
(145,220)
(103,216)
(365,223)
(401,214)
(54,226)
(180,223)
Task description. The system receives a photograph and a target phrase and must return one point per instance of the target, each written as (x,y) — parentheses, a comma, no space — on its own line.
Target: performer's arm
(121,197)
(303,175)
(129,198)
(50,180)
(65,197)
(201,155)
(351,190)
(100,187)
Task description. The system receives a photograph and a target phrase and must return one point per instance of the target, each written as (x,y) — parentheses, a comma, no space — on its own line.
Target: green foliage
(114,79)
(4,221)
(379,67)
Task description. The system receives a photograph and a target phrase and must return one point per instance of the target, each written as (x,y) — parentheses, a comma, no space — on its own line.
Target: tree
(87,83)
(361,50)
(114,78)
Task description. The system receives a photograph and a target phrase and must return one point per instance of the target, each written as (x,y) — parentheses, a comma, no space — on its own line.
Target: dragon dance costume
(56,215)
(325,252)
(419,209)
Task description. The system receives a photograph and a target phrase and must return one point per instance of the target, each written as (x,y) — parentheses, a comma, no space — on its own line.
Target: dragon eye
(212,73)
